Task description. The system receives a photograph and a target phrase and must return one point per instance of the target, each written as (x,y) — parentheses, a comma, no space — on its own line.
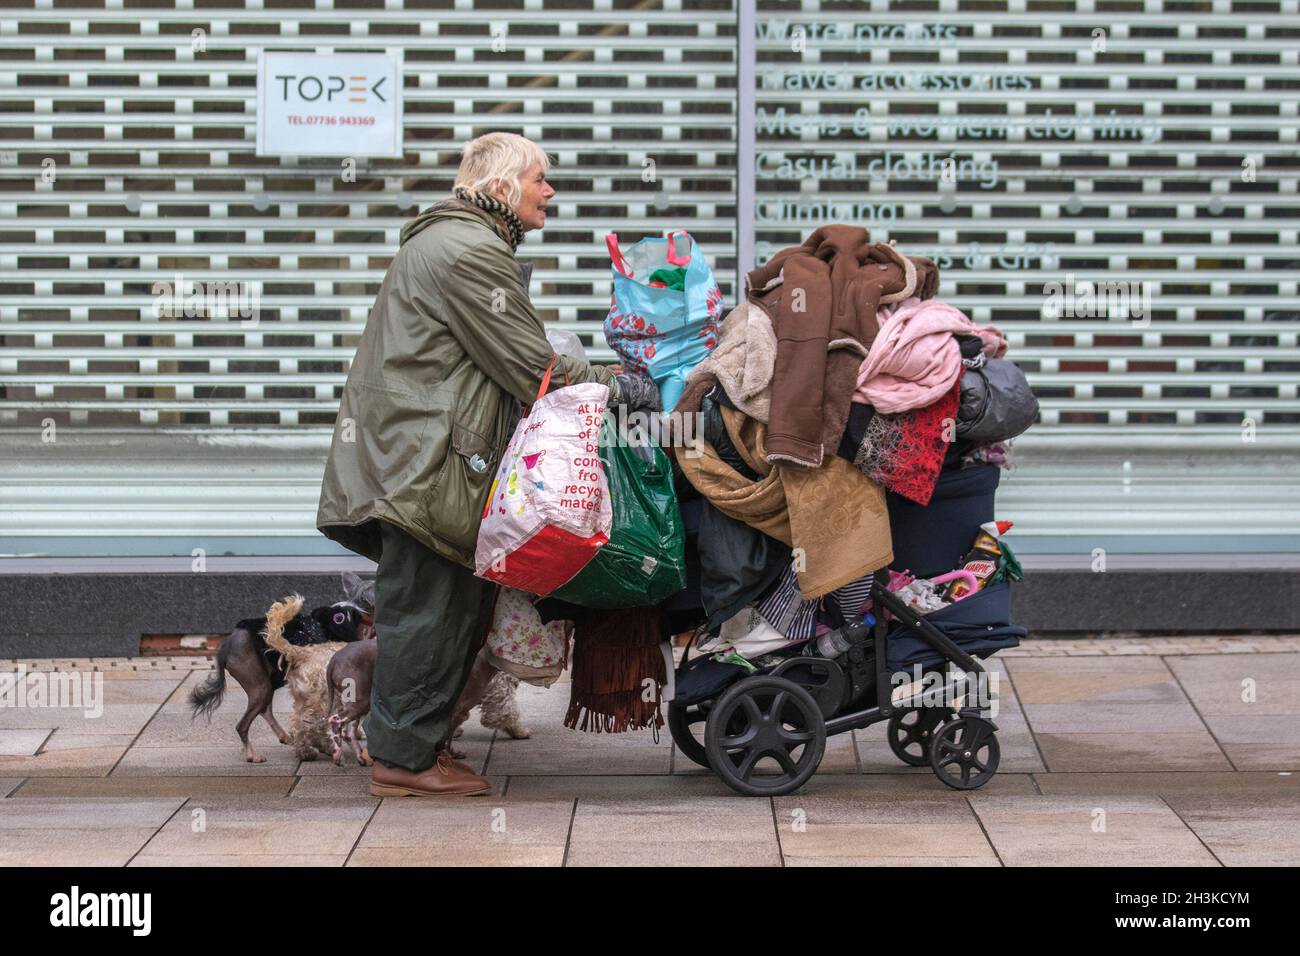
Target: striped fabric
(797,618)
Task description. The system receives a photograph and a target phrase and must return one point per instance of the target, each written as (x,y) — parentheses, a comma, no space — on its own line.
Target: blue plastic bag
(662,332)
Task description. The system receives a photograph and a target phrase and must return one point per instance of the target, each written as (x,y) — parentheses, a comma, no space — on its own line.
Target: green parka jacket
(451,349)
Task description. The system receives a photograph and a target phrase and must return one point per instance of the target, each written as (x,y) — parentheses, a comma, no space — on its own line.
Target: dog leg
(515,726)
(247,666)
(320,737)
(275,725)
(350,722)
(300,733)
(259,699)
(338,733)
(246,747)
(500,710)
(363,758)
(480,676)
(517,731)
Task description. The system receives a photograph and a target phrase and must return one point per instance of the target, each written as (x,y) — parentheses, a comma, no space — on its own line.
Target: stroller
(764,733)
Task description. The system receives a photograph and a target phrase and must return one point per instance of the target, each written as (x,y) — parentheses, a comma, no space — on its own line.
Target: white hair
(492,164)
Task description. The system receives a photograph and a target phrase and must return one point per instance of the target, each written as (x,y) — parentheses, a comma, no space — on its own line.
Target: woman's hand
(638,392)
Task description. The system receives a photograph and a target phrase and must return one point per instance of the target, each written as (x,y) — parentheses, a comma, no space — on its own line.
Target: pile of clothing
(839,384)
(840,391)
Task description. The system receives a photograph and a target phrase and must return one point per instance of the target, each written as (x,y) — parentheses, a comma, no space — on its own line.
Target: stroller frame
(766,715)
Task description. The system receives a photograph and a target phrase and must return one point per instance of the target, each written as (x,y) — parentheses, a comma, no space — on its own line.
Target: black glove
(637,391)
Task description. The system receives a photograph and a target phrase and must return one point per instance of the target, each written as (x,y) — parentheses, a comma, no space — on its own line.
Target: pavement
(1169,751)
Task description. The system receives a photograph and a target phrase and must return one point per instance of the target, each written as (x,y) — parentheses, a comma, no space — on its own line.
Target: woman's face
(535,193)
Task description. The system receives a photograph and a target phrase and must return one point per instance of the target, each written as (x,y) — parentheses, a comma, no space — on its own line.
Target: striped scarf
(495,206)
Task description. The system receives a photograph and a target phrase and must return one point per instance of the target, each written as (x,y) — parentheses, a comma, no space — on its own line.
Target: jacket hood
(445,209)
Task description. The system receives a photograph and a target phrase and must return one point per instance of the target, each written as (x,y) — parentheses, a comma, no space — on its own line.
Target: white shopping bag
(548,511)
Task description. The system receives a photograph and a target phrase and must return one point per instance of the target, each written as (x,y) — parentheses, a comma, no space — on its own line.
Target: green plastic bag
(644,560)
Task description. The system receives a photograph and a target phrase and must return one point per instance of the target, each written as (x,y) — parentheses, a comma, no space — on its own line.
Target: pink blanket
(914,360)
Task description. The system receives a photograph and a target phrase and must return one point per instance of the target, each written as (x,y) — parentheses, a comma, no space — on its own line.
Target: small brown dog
(349,676)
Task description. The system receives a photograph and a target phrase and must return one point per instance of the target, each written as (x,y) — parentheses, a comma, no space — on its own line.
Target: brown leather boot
(446,778)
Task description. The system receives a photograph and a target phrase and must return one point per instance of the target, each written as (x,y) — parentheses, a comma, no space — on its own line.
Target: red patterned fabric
(904,452)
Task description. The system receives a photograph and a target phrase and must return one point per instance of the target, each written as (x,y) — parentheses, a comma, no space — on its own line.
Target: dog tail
(207,697)
(280,614)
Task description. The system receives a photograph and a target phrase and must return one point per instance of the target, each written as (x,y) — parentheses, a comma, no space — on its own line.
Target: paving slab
(849,823)
(71,754)
(326,769)
(614,788)
(1113,717)
(555,749)
(465,831)
(674,831)
(259,830)
(204,762)
(1259,742)
(23,743)
(1244,828)
(104,704)
(319,860)
(1088,831)
(185,787)
(1241,685)
(1166,784)
(1139,749)
(115,718)
(1088,680)
(1112,714)
(908,782)
(58,831)
(1246,819)
(139,687)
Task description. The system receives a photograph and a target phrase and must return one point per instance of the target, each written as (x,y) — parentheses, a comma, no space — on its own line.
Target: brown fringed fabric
(613,653)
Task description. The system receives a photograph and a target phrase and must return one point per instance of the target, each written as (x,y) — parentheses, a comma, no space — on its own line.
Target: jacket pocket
(454,500)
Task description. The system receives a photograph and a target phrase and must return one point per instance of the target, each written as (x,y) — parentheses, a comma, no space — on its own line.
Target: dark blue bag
(932,539)
(703,679)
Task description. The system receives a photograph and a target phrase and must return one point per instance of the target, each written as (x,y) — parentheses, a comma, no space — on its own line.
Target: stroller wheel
(765,736)
(910,731)
(964,754)
(684,720)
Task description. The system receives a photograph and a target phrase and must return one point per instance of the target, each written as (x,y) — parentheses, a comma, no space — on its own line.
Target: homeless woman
(450,350)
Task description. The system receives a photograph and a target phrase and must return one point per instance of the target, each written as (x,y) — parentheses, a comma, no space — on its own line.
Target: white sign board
(329,104)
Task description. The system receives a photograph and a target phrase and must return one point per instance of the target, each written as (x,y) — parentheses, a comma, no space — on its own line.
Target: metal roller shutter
(1167,158)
